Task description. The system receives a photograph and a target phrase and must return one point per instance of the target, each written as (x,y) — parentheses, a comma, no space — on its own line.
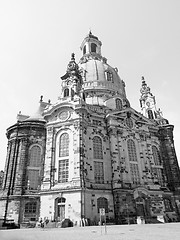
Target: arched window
(66,92)
(150,114)
(118,104)
(132,150)
(102,202)
(93,47)
(35,156)
(63,168)
(156,155)
(134,169)
(109,76)
(97,148)
(33,169)
(84,50)
(64,145)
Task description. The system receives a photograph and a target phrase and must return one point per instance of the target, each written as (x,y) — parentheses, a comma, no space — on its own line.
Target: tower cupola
(148,105)
(71,81)
(147,101)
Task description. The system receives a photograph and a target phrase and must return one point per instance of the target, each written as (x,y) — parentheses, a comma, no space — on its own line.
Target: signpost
(102,213)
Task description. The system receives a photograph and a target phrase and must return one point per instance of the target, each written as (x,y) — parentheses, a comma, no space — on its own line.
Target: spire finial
(143,81)
(73,57)
(41,98)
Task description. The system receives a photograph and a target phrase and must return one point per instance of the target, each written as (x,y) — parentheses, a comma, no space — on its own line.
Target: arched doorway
(60,209)
(142,201)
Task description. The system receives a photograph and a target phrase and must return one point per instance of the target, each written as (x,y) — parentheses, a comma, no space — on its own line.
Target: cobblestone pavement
(170,231)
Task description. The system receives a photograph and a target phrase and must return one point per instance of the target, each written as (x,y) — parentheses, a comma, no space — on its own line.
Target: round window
(64,115)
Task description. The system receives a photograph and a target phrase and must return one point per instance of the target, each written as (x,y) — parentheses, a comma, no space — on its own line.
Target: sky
(37,37)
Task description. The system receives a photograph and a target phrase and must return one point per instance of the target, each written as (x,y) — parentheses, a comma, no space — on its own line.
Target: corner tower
(165,135)
(71,81)
(147,101)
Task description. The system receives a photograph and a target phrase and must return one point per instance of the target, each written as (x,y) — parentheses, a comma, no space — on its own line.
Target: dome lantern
(91,45)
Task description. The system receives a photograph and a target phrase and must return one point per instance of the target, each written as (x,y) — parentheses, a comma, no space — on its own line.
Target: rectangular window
(33,179)
(98,172)
(30,213)
(30,207)
(134,173)
(63,173)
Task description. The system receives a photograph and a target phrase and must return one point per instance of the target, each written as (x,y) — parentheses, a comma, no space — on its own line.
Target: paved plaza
(170,231)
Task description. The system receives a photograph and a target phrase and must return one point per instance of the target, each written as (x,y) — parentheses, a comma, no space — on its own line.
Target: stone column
(17,168)
(6,170)
(48,180)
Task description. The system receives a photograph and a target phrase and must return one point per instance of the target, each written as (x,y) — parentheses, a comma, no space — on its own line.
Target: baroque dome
(97,75)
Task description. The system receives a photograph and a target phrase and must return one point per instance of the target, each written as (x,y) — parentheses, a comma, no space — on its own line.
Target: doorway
(60,209)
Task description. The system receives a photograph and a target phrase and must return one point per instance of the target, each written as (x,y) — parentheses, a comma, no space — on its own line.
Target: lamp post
(127,209)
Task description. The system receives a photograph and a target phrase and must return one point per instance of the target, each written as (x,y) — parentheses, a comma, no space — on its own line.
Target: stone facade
(90,150)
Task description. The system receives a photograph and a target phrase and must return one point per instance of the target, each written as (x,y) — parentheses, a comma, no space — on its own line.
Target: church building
(91,151)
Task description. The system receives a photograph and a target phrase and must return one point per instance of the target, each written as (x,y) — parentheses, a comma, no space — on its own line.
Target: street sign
(102,211)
